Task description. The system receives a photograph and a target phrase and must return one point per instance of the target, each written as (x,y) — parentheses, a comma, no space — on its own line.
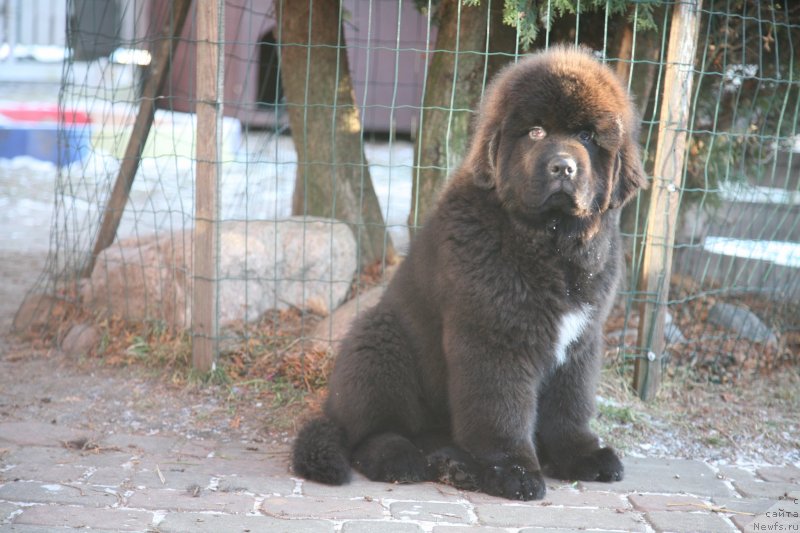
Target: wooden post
(160,66)
(665,195)
(206,210)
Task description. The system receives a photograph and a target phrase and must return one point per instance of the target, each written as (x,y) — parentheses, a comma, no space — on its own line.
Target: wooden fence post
(665,195)
(160,66)
(209,60)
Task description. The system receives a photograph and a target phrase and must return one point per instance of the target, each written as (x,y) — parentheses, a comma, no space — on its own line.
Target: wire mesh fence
(336,125)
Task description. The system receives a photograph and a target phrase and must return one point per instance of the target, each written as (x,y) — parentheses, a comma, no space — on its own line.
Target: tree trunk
(332,174)
(456,78)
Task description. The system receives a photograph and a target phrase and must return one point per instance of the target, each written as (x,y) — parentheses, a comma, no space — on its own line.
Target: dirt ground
(41,383)
(752,422)
(47,386)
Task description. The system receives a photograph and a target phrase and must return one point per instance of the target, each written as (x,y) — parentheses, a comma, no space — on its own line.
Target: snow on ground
(256,184)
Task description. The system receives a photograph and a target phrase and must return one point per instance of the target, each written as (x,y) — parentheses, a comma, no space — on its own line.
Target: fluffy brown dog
(479,365)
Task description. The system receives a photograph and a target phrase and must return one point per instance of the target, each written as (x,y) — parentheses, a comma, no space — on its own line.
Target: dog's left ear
(629,175)
(482,157)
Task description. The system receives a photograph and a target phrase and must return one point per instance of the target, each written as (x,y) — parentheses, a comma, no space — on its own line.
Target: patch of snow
(756,194)
(782,253)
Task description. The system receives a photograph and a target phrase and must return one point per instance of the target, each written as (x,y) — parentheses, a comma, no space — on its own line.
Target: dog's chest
(570,328)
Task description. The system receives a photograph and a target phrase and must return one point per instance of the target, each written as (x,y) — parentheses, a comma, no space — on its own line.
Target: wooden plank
(160,65)
(209,113)
(665,195)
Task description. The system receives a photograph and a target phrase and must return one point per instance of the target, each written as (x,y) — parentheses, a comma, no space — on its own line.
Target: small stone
(743,322)
(672,333)
(332,330)
(80,341)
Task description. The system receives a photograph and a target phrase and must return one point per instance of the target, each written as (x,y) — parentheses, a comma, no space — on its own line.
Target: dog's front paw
(454,467)
(391,458)
(513,481)
(601,464)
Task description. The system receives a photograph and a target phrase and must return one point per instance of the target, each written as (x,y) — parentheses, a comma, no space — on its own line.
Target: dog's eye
(537,132)
(586,136)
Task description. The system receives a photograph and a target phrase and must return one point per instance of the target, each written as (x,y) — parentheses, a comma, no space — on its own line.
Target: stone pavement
(54,477)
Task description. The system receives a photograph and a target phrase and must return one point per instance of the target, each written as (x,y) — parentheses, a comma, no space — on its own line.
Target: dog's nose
(563,167)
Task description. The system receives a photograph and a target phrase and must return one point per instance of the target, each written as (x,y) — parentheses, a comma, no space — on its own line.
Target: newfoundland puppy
(478,367)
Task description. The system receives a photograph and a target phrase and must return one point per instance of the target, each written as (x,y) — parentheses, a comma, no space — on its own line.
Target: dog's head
(557,135)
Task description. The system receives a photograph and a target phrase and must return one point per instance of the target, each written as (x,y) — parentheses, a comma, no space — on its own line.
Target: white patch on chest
(569,329)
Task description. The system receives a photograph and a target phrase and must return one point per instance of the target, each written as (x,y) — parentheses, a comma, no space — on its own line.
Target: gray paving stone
(682,522)
(329,509)
(575,498)
(246,450)
(267,485)
(6,509)
(781,516)
(742,521)
(184,500)
(175,477)
(212,523)
(430,512)
(661,502)
(780,474)
(758,510)
(763,489)
(360,487)
(373,526)
(43,471)
(125,459)
(38,492)
(195,448)
(219,466)
(510,515)
(755,506)
(553,486)
(592,529)
(25,528)
(485,529)
(108,476)
(85,517)
(141,443)
(733,473)
(76,490)
(468,529)
(30,433)
(665,476)
(22,455)
(564,496)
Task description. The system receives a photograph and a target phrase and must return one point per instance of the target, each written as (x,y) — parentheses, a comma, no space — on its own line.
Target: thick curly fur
(478,367)
(320,453)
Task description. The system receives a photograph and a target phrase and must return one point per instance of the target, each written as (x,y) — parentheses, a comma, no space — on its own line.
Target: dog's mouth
(560,200)
(565,202)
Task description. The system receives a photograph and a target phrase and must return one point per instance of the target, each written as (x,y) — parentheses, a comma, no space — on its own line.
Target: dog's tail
(320,453)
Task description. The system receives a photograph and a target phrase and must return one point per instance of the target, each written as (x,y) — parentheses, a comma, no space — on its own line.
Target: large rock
(329,332)
(742,321)
(297,262)
(40,310)
(81,340)
(144,278)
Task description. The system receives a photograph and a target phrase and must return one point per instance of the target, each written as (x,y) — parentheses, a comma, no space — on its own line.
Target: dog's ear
(482,157)
(629,175)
